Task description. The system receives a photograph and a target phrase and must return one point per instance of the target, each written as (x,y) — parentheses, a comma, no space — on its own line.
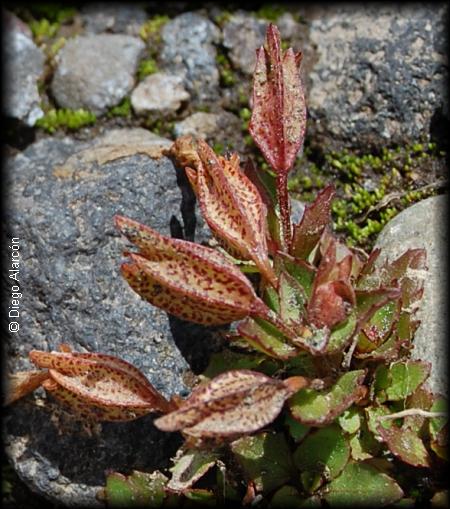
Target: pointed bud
(190,281)
(99,385)
(234,403)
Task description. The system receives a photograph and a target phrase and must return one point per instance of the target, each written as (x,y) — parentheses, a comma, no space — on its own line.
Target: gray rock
(24,65)
(188,50)
(242,35)
(159,92)
(96,72)
(424,226)
(63,196)
(287,26)
(380,74)
(208,125)
(123,18)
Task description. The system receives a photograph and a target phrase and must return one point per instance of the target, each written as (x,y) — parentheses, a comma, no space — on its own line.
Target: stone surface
(188,50)
(159,92)
(242,35)
(118,17)
(62,203)
(380,74)
(287,26)
(423,225)
(206,125)
(96,72)
(24,65)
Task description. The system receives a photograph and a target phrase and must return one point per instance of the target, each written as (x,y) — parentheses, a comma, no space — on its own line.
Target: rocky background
(91,97)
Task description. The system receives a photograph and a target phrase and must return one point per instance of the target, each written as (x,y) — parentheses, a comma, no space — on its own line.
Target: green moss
(123,109)
(151,29)
(227,75)
(222,18)
(271,12)
(147,67)
(65,118)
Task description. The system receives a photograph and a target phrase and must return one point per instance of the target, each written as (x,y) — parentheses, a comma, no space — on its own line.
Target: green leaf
(292,299)
(342,334)
(199,496)
(288,497)
(228,359)
(437,423)
(297,430)
(302,271)
(405,378)
(266,338)
(406,445)
(265,459)
(188,469)
(373,418)
(363,485)
(322,456)
(350,420)
(321,407)
(136,490)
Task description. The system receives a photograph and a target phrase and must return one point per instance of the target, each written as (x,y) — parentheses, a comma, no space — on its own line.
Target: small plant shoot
(314,399)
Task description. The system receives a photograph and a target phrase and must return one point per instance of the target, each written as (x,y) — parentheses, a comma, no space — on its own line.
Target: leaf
(406,445)
(322,456)
(232,206)
(136,490)
(22,383)
(266,338)
(228,359)
(342,334)
(361,484)
(185,279)
(114,389)
(233,403)
(405,378)
(292,300)
(332,295)
(350,420)
(188,469)
(278,117)
(317,408)
(297,430)
(315,219)
(437,423)
(265,459)
(303,272)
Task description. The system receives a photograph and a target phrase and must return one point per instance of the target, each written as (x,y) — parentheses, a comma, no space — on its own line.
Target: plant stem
(285,210)
(410,412)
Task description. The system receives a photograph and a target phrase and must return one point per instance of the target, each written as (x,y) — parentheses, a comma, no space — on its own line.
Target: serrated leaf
(322,456)
(317,408)
(278,117)
(136,490)
(405,378)
(112,388)
(232,207)
(266,338)
(332,295)
(315,219)
(22,383)
(406,445)
(189,468)
(188,280)
(236,402)
(361,484)
(265,459)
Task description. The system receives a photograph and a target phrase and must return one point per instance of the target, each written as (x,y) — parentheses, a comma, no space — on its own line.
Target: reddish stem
(285,210)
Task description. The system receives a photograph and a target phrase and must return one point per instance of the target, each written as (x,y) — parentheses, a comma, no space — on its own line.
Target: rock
(287,25)
(242,35)
(207,125)
(119,18)
(96,72)
(159,92)
(24,65)
(70,254)
(423,225)
(380,74)
(188,51)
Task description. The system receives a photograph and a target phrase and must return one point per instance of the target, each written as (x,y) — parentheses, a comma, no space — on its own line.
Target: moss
(147,67)
(151,29)
(371,188)
(222,18)
(271,12)
(123,109)
(226,73)
(65,118)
